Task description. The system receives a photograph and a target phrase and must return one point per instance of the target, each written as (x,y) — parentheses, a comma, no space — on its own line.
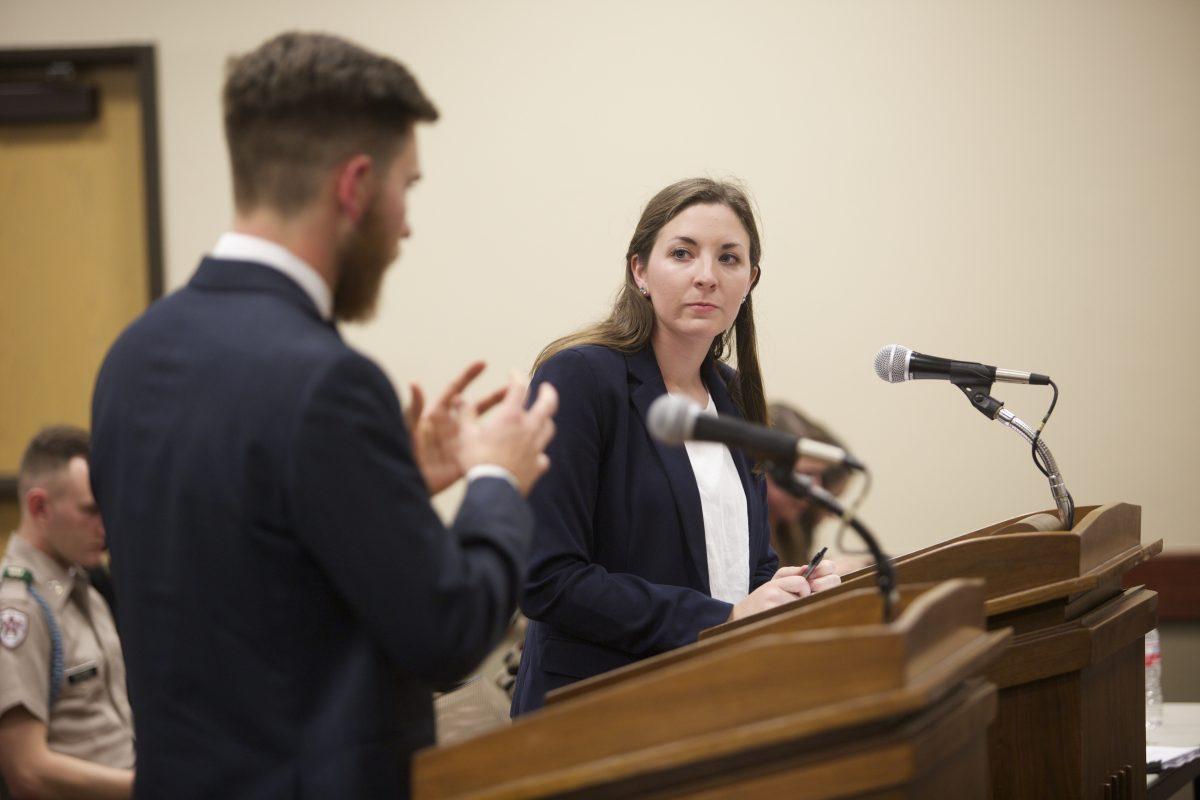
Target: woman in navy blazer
(620,563)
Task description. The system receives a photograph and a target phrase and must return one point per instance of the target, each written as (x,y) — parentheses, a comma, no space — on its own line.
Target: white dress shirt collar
(244,247)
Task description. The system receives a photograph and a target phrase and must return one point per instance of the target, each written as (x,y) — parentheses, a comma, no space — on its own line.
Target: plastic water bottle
(1154,699)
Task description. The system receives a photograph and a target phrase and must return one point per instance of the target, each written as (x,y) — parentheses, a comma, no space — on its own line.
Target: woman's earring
(744,299)
(645,292)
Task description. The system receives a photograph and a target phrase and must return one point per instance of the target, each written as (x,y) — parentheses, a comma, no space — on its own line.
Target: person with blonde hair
(638,546)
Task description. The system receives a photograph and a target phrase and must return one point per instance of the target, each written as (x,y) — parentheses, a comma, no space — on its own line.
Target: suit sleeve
(565,588)
(768,560)
(437,600)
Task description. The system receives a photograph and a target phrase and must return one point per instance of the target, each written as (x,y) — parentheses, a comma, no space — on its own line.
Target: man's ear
(37,503)
(354,185)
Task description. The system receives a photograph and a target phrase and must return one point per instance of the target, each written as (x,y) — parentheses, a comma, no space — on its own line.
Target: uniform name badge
(14,626)
(82,672)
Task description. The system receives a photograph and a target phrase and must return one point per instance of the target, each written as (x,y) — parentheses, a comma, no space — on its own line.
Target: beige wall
(1014,182)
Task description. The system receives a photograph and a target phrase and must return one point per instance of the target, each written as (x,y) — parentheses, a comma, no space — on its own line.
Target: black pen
(812,565)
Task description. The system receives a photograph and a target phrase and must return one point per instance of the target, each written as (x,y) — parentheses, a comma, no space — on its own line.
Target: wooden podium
(823,702)
(1071,716)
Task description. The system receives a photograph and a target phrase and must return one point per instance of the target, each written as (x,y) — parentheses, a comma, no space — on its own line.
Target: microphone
(675,420)
(896,363)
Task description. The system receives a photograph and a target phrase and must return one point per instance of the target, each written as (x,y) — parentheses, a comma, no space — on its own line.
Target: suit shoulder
(604,363)
(341,369)
(249,322)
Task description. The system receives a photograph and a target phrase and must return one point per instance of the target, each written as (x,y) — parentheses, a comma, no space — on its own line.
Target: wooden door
(79,223)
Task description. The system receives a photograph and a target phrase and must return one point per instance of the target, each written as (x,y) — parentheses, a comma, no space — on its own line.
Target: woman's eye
(730,258)
(679,253)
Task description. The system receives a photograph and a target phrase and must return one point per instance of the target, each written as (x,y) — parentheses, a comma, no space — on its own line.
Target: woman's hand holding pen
(788,585)
(825,576)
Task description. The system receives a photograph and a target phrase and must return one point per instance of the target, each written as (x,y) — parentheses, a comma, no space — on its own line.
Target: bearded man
(287,596)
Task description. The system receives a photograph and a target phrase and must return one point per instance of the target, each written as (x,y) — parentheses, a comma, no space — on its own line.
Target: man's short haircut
(302,102)
(50,451)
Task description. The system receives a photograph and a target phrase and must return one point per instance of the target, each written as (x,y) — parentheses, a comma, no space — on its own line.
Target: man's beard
(361,261)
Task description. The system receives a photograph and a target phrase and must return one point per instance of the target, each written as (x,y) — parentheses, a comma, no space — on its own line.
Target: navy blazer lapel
(643,368)
(250,276)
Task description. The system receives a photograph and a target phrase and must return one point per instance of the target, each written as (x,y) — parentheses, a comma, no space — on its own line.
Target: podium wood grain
(832,704)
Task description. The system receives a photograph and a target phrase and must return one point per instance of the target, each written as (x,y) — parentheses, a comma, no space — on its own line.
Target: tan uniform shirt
(91,719)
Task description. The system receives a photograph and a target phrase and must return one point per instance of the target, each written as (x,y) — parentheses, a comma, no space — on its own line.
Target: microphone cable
(802,485)
(849,514)
(1033,444)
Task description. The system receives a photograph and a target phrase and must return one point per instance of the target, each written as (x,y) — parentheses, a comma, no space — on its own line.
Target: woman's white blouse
(726,518)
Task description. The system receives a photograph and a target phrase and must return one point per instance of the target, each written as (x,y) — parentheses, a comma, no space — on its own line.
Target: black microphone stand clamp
(977,389)
(803,487)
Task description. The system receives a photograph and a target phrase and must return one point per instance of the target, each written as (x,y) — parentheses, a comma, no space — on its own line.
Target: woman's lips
(703,308)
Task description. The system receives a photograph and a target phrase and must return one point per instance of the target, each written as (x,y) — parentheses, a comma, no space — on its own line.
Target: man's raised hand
(437,432)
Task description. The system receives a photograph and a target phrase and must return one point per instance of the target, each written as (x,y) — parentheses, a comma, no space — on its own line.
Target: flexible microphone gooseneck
(803,486)
(896,363)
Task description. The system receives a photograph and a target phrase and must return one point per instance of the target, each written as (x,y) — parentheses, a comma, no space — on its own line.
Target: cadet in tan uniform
(65,724)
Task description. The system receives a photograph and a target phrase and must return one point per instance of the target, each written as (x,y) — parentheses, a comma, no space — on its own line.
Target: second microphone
(675,420)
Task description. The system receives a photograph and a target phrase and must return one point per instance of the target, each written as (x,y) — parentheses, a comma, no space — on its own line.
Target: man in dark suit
(287,594)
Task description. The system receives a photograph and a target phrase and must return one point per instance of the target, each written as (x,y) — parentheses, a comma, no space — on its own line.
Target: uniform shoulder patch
(14,627)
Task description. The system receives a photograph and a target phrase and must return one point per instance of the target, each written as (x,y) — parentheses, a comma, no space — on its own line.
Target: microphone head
(891,363)
(671,420)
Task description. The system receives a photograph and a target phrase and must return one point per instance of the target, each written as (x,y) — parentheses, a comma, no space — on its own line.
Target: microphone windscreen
(672,419)
(891,363)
